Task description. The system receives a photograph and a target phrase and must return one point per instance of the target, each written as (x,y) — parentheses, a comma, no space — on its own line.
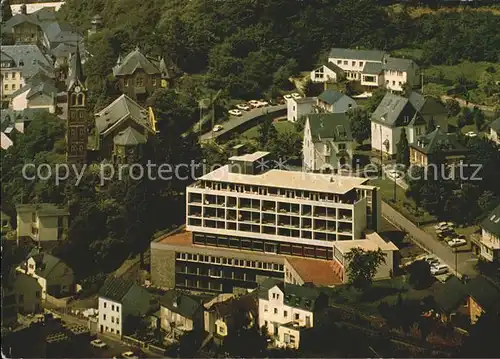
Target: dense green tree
(363,266)
(420,274)
(6,10)
(403,150)
(479,118)
(482,341)
(375,100)
(360,124)
(453,107)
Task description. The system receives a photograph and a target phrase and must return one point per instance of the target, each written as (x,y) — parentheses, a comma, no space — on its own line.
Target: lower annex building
(246,222)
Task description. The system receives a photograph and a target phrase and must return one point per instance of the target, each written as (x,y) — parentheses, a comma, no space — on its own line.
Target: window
(354,63)
(339,62)
(341,146)
(112,307)
(297,316)
(104,317)
(112,330)
(125,82)
(345,62)
(13,75)
(112,319)
(117,320)
(360,63)
(104,304)
(6,86)
(275,310)
(139,81)
(13,86)
(118,332)
(285,313)
(277,296)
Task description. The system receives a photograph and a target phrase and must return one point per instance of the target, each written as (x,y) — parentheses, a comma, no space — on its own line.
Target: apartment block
(42,222)
(297,213)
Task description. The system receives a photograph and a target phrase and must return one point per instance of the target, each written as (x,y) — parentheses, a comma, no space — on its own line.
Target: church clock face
(78,89)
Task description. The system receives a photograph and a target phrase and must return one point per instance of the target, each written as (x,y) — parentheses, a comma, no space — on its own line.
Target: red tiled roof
(183,238)
(320,272)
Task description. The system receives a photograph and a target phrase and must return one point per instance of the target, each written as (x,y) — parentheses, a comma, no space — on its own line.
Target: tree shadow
(376,293)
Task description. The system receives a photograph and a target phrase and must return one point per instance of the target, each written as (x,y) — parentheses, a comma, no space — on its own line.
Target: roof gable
(129,137)
(330,96)
(334,126)
(437,141)
(115,288)
(492,222)
(136,60)
(180,303)
(394,111)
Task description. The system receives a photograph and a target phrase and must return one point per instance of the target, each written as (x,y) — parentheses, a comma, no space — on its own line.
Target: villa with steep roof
(139,76)
(372,68)
(437,146)
(393,115)
(335,102)
(327,143)
(121,129)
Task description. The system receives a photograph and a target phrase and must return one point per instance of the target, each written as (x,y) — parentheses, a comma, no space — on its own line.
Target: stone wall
(162,267)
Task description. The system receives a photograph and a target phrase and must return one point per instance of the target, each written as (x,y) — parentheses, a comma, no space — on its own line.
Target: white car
(296,96)
(471,134)
(439,269)
(254,103)
(243,107)
(129,355)
(98,343)
(235,112)
(394,174)
(457,242)
(263,103)
(433,261)
(217,128)
(288,97)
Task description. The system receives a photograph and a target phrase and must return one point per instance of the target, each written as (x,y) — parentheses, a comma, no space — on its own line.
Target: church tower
(78,117)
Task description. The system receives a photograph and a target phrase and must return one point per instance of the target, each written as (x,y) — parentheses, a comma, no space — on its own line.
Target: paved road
(234,121)
(465,260)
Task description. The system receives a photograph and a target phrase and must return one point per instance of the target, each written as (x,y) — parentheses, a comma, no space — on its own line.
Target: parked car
(288,97)
(457,242)
(98,343)
(264,103)
(471,134)
(235,112)
(439,269)
(129,355)
(243,107)
(273,103)
(433,261)
(217,128)
(254,103)
(296,96)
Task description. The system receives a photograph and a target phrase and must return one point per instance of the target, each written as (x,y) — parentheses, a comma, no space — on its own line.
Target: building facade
(335,102)
(490,236)
(43,222)
(328,143)
(298,108)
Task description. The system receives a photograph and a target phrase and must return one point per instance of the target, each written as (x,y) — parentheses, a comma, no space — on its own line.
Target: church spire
(76,70)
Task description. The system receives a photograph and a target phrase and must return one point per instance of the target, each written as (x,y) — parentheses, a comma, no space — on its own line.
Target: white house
(42,222)
(327,143)
(495,131)
(327,72)
(40,92)
(393,115)
(286,311)
(179,313)
(119,300)
(490,236)
(372,68)
(297,108)
(373,242)
(55,277)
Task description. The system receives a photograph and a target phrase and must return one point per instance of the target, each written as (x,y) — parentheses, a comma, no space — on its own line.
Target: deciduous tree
(363,266)
(360,124)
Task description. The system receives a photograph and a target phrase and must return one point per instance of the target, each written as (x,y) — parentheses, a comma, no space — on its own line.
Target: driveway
(234,121)
(465,260)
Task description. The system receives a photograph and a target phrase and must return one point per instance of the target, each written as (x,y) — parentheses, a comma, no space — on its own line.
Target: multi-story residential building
(287,310)
(437,146)
(40,92)
(490,236)
(431,109)
(298,108)
(335,102)
(328,143)
(139,76)
(18,64)
(393,115)
(55,277)
(42,222)
(372,68)
(40,28)
(119,301)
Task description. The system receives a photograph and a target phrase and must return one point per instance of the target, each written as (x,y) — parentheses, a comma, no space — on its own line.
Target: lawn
(406,206)
(471,70)
(281,126)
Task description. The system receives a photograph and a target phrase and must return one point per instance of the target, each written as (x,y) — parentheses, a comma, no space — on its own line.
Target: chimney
(23,9)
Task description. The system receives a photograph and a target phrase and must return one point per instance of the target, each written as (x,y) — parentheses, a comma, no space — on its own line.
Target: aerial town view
(250,178)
